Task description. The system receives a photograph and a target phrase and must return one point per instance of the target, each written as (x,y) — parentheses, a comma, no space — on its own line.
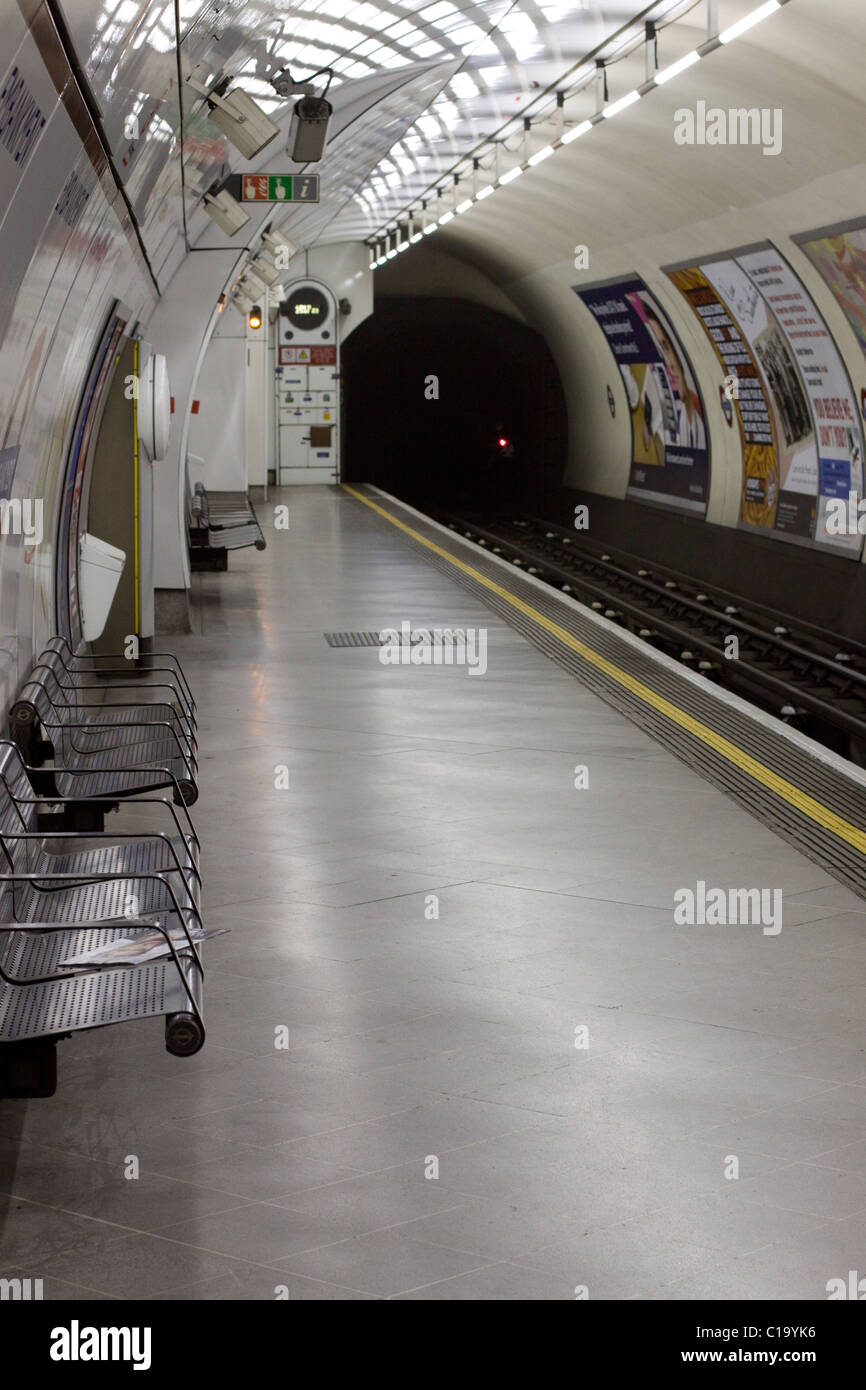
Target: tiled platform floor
(415,1037)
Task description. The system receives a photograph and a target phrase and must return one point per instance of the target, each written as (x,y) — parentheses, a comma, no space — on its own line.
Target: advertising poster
(670,460)
(770,337)
(839,255)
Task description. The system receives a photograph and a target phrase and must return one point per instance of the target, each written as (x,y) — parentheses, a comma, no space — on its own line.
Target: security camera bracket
(285,85)
(212,98)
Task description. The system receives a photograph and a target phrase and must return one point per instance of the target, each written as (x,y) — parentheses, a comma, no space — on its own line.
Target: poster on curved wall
(670,460)
(839,255)
(798,418)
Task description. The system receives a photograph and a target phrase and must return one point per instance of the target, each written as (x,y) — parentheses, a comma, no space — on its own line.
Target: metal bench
(221,521)
(100,751)
(68,892)
(119,669)
(79,687)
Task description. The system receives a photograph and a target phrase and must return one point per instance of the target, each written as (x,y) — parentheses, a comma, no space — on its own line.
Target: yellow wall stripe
(800,800)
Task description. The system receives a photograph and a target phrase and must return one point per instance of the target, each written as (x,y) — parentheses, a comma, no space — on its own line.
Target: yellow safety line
(135,620)
(807,805)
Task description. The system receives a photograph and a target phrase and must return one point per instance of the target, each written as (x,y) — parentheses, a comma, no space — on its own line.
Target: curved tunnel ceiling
(417,87)
(628,183)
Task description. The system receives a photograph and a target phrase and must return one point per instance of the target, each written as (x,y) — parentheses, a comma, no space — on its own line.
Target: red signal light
(502,442)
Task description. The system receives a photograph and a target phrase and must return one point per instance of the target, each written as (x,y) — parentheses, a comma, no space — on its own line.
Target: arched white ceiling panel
(486,65)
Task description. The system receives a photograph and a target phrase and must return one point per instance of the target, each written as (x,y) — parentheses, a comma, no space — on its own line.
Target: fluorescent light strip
(416,237)
(665,75)
(749,21)
(576,132)
(616,106)
(676,68)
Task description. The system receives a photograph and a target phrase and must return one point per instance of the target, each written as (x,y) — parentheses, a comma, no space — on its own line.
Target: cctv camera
(264,270)
(225,211)
(252,285)
(280,248)
(242,121)
(308,131)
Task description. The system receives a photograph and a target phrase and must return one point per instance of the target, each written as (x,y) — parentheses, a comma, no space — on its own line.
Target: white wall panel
(218,433)
(180,326)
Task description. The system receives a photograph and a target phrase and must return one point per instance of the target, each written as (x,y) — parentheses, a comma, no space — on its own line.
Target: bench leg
(89,815)
(28,1069)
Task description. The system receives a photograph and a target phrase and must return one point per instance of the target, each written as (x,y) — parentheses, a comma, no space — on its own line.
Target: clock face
(306,308)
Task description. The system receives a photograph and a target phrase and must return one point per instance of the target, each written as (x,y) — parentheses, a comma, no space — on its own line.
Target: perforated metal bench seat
(27,954)
(116,702)
(107,744)
(113,704)
(106,781)
(99,998)
(228,519)
(237,537)
(163,672)
(64,892)
(98,901)
(101,900)
(225,508)
(117,733)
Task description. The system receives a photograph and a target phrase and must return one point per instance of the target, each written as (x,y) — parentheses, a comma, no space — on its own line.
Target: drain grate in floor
(444,636)
(352,639)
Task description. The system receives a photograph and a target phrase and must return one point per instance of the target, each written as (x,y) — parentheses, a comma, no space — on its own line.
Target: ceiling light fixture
(613,108)
(616,106)
(676,68)
(749,21)
(576,131)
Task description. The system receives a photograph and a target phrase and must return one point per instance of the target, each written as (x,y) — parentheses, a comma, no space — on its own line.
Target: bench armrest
(166,772)
(89,727)
(101,836)
(83,880)
(141,689)
(112,796)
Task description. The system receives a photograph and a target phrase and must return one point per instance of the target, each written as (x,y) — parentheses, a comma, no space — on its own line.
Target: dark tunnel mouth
(432,386)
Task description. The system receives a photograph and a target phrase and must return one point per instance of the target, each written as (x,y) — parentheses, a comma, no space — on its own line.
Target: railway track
(804,675)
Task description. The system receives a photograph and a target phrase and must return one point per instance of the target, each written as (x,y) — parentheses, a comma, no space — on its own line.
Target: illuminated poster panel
(670,462)
(802,439)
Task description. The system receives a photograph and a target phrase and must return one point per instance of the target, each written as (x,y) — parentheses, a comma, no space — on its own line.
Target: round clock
(305,308)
